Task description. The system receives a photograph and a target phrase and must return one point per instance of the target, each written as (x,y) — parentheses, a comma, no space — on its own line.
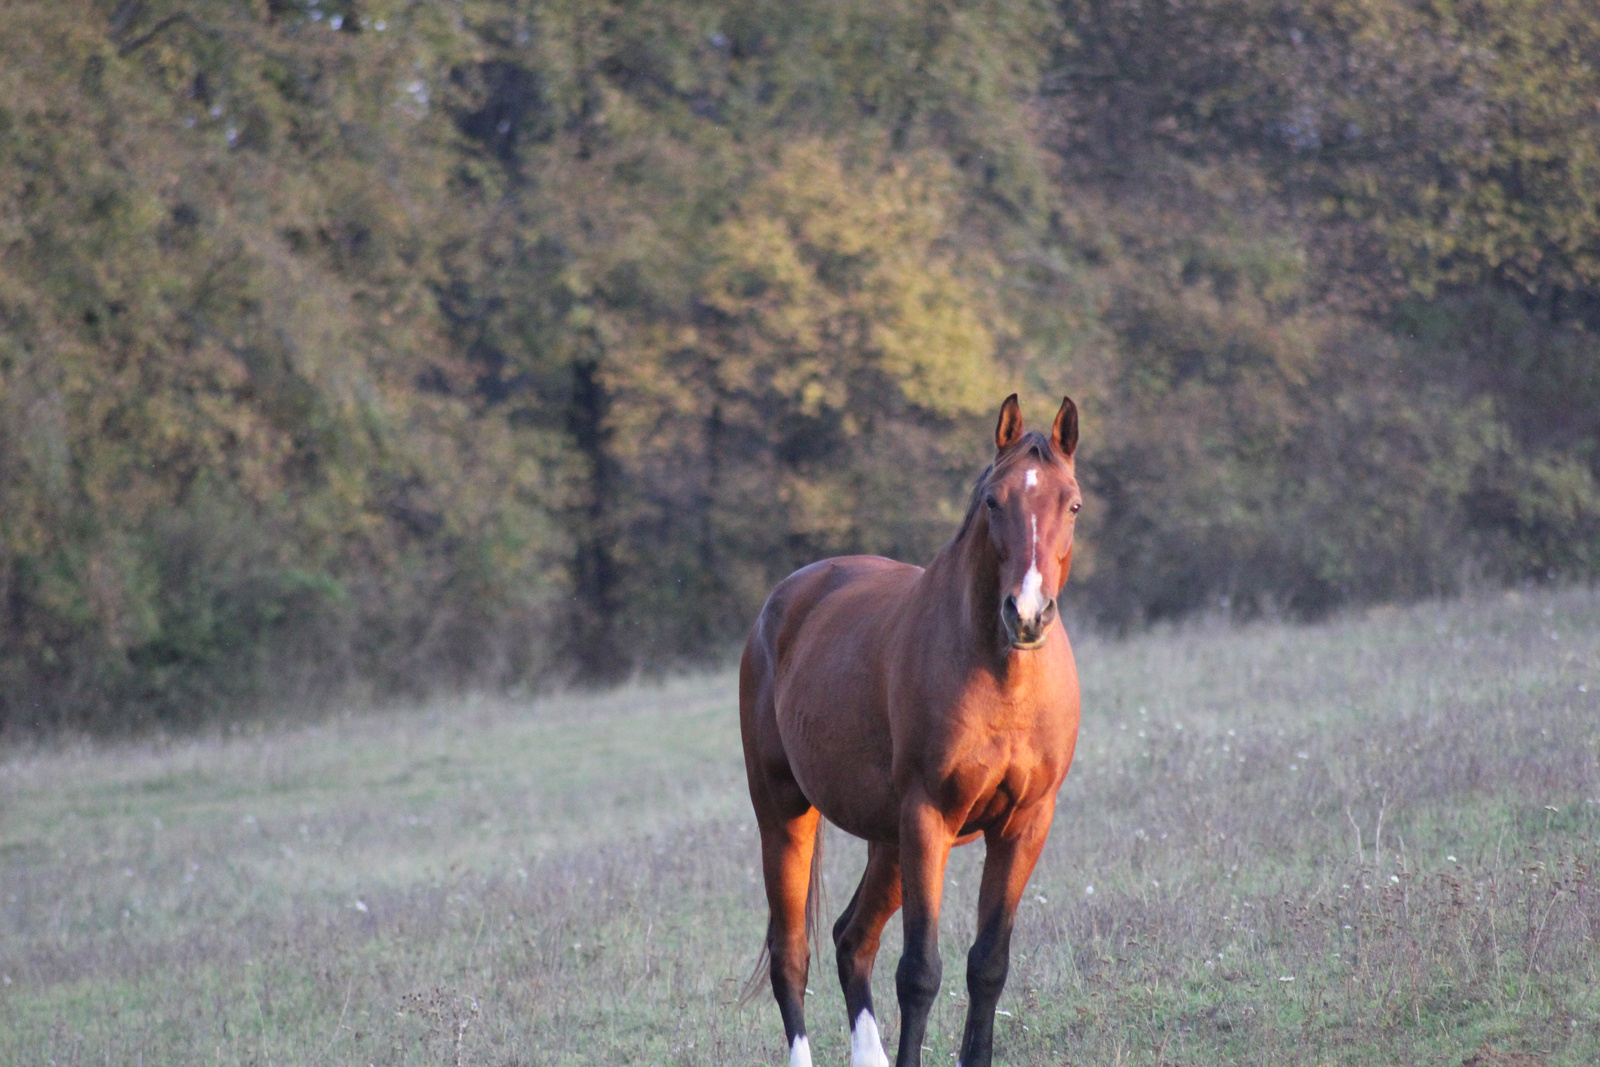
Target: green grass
(573,880)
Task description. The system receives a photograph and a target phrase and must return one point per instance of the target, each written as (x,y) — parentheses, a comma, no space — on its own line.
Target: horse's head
(1029,504)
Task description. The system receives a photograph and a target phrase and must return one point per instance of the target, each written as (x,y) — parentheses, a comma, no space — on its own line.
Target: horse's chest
(990,774)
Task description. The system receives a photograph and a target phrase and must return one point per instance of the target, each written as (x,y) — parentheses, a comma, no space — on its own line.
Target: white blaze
(800,1052)
(866,1047)
(1032,600)
(1030,479)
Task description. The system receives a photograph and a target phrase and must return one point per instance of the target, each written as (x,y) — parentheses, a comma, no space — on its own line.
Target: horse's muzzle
(1026,634)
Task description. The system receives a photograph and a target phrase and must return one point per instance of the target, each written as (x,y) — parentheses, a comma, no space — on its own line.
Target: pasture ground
(1373,841)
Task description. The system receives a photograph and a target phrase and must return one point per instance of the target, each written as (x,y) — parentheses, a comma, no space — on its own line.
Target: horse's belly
(835,728)
(829,687)
(838,750)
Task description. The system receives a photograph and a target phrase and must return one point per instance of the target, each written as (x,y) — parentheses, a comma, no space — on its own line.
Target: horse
(918,709)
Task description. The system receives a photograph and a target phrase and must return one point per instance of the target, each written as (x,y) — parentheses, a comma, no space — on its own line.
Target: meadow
(1369,841)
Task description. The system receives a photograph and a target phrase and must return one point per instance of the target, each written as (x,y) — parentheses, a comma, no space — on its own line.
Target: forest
(370,349)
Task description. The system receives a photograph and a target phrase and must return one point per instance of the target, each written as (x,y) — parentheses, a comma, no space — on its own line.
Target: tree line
(351,347)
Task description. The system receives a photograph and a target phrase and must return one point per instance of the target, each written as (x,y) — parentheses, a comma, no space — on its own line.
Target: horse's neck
(962,591)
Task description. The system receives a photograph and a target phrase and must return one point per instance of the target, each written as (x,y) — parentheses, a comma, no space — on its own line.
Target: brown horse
(917,709)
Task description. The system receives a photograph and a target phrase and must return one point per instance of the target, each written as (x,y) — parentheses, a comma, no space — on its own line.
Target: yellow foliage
(830,272)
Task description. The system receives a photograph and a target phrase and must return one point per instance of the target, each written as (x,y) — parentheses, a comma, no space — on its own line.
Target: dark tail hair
(815,906)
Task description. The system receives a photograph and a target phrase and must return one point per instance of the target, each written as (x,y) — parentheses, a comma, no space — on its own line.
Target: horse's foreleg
(1010,854)
(786,847)
(856,937)
(924,849)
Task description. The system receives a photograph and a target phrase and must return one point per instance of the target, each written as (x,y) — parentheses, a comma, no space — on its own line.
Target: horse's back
(841,592)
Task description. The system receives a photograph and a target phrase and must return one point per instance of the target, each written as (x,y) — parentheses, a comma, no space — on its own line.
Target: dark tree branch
(129,47)
(122,20)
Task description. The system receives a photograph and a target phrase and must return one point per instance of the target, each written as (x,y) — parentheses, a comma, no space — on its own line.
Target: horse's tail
(762,974)
(759,977)
(816,904)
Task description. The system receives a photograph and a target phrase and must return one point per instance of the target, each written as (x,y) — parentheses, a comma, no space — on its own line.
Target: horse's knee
(854,941)
(842,926)
(988,963)
(986,974)
(917,978)
(856,953)
(845,948)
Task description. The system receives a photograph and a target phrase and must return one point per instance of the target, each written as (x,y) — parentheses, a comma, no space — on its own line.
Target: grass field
(1369,842)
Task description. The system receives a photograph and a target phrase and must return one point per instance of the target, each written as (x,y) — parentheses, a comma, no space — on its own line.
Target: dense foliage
(399,346)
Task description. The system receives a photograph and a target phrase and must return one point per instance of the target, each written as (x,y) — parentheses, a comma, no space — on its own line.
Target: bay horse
(918,709)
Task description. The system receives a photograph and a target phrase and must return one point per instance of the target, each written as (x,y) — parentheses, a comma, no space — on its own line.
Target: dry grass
(573,880)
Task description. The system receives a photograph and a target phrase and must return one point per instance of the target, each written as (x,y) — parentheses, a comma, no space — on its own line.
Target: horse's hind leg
(856,937)
(789,826)
(786,846)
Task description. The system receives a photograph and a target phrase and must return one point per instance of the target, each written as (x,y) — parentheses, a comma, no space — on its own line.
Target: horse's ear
(1009,429)
(1065,431)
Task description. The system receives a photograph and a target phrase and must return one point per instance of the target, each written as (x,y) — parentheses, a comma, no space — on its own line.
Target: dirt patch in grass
(1488,1057)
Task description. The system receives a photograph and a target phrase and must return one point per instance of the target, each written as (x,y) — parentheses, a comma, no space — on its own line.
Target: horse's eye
(1074,508)
(991,503)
